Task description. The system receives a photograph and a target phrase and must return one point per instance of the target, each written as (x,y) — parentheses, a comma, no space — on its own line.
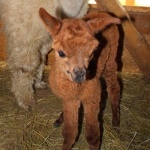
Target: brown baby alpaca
(78,66)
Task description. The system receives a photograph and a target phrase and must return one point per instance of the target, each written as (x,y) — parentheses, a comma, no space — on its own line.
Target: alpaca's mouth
(78,79)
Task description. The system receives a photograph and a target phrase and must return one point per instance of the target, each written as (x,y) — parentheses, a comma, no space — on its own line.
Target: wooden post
(133,40)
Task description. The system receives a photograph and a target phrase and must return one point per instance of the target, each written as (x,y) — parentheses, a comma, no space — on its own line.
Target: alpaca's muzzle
(79,74)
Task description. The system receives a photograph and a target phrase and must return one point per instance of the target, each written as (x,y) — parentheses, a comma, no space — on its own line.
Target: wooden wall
(140,17)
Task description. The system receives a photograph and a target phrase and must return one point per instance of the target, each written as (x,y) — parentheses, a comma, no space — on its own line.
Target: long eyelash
(61,54)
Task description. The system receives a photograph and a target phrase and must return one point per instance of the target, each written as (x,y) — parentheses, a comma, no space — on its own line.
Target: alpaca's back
(108,49)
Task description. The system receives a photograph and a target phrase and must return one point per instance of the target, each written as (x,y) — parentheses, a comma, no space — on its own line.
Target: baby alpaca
(28,43)
(78,65)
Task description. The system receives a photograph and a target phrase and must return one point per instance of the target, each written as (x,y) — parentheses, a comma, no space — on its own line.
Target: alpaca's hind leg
(92,125)
(70,128)
(22,87)
(113,89)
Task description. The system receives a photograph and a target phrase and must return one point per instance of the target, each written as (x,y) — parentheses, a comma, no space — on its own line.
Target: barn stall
(22,130)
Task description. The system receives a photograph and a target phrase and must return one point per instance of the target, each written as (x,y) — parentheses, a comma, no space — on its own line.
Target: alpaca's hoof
(41,85)
(116,123)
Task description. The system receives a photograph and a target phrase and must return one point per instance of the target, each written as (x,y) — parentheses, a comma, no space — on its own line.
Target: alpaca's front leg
(92,125)
(70,128)
(22,87)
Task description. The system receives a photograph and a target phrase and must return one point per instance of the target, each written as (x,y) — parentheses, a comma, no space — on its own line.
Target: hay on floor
(23,130)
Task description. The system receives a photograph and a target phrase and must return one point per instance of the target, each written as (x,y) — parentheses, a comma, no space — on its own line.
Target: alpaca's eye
(61,54)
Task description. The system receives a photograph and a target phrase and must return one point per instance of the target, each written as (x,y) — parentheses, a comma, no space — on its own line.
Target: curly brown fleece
(78,65)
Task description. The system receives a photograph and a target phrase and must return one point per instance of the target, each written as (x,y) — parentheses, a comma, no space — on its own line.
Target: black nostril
(80,72)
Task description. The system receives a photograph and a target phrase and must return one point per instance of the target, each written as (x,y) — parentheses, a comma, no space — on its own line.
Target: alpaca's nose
(79,74)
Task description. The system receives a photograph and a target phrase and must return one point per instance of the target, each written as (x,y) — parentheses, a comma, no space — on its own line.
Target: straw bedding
(33,130)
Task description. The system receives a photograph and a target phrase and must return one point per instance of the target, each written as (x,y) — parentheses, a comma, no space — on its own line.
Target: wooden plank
(133,40)
(138,9)
(141,21)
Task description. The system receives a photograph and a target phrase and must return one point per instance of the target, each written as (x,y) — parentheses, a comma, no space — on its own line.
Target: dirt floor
(24,130)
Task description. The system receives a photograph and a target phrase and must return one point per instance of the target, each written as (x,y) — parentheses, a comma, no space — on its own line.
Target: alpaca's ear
(99,21)
(52,24)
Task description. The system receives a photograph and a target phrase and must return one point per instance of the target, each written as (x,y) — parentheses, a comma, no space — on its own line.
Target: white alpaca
(28,43)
